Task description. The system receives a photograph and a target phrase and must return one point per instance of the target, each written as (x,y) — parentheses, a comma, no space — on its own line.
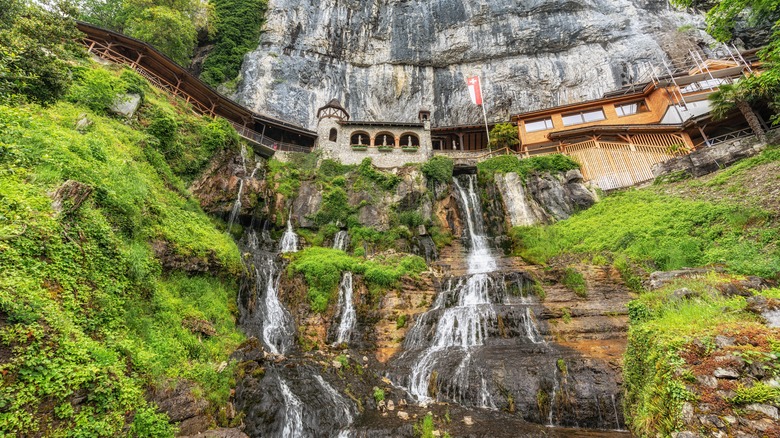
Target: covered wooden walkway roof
(268,133)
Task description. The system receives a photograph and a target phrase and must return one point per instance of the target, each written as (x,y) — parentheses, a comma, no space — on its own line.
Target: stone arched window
(334,134)
(384,139)
(410,140)
(360,137)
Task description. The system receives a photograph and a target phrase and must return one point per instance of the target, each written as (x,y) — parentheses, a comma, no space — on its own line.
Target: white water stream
(347,308)
(293,412)
(289,241)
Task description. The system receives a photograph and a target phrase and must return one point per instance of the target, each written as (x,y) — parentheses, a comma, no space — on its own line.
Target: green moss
(322,269)
(511,163)
(88,309)
(439,169)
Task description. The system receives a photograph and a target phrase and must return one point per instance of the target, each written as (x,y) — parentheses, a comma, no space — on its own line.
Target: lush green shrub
(575,281)
(169,30)
(331,168)
(523,167)
(335,207)
(379,394)
(504,135)
(218,134)
(238,27)
(322,269)
(96,88)
(37,43)
(386,181)
(412,219)
(439,169)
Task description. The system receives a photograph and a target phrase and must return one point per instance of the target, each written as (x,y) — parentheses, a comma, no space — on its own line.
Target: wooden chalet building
(618,137)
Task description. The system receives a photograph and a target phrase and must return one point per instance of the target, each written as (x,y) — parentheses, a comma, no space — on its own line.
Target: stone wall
(710,159)
(342,151)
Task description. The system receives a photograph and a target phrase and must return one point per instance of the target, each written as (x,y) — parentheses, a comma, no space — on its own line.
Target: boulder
(126,105)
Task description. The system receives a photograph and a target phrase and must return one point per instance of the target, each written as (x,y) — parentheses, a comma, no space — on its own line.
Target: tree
(170,31)
(36,40)
(504,135)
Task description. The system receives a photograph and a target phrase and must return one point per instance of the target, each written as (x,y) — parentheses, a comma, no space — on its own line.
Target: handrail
(742,133)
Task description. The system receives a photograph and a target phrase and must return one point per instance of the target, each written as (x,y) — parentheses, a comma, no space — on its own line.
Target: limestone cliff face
(384,59)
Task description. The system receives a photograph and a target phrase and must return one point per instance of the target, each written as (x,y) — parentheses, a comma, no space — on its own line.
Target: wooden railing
(106,52)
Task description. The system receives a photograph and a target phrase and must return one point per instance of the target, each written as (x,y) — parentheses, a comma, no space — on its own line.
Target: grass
(661,328)
(661,232)
(322,269)
(88,311)
(575,281)
(510,163)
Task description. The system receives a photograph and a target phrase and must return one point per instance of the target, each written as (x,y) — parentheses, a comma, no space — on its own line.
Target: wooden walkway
(267,134)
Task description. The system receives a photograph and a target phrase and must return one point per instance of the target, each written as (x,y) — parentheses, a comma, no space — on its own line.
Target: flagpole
(484,115)
(487,130)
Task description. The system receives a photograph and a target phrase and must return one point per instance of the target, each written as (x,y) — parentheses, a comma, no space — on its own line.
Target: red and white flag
(475,90)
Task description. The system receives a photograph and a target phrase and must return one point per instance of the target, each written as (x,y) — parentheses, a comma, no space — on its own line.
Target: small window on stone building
(333,134)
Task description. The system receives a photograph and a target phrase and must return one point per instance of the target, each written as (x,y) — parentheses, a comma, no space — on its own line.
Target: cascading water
(347,310)
(444,347)
(289,242)
(293,412)
(264,316)
(340,240)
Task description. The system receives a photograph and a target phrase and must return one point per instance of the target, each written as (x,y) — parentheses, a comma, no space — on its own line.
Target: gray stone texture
(385,59)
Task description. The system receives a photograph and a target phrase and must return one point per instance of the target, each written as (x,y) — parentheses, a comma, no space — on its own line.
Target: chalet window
(631,108)
(538,125)
(583,117)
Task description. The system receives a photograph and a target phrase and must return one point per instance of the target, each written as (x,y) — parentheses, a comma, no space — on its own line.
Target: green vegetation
(400,322)
(504,135)
(760,392)
(322,269)
(424,429)
(510,163)
(379,394)
(238,27)
(92,316)
(662,232)
(35,46)
(665,330)
(439,169)
(171,26)
(575,281)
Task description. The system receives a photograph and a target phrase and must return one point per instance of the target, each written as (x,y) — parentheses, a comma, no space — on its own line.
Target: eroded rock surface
(385,59)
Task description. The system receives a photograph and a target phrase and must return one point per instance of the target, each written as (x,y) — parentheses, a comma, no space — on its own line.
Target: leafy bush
(386,181)
(412,219)
(760,392)
(331,168)
(575,281)
(322,269)
(97,89)
(238,27)
(37,43)
(523,167)
(168,29)
(439,169)
(379,394)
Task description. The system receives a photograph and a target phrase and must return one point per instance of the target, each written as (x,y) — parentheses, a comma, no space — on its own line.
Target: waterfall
(293,412)
(340,240)
(480,259)
(464,325)
(289,242)
(552,397)
(277,323)
(343,412)
(347,309)
(236,206)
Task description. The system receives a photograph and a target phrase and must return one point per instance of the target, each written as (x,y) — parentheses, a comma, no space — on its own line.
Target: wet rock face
(542,198)
(385,59)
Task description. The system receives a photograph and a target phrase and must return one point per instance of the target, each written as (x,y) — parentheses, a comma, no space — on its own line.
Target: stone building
(388,144)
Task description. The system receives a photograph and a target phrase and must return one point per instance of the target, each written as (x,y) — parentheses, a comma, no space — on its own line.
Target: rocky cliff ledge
(386,58)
